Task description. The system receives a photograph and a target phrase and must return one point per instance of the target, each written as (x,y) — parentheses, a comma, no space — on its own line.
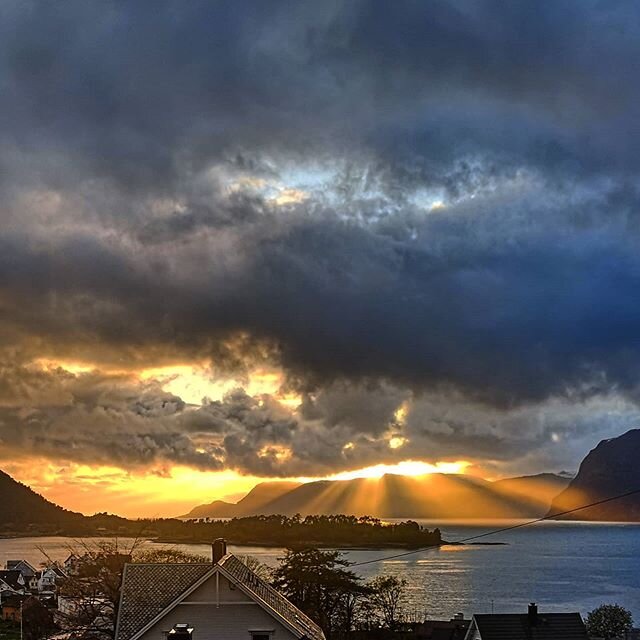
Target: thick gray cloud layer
(435,200)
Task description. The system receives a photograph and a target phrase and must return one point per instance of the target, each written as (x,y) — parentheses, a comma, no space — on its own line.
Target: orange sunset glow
(170,489)
(170,492)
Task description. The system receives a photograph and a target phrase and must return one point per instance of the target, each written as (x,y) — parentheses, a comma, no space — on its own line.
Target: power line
(501,530)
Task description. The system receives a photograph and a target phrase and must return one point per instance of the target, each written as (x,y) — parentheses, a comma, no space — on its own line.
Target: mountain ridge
(394,496)
(21,504)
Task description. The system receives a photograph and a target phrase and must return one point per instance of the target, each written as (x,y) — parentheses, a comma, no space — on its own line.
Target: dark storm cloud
(256,183)
(144,94)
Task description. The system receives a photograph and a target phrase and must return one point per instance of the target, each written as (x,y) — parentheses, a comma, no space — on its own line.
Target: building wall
(233,619)
(11,613)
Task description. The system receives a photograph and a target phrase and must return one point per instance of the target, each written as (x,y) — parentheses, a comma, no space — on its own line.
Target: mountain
(536,491)
(394,496)
(23,511)
(21,505)
(262,494)
(612,468)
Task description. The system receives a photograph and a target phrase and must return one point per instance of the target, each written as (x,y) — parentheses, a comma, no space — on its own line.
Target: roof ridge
(171,564)
(304,619)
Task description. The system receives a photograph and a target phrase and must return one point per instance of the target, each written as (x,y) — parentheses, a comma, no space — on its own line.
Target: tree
(37,620)
(262,570)
(320,584)
(609,621)
(387,600)
(93,590)
(168,556)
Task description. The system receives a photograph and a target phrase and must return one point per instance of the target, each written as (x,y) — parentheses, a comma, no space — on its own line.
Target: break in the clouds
(422,205)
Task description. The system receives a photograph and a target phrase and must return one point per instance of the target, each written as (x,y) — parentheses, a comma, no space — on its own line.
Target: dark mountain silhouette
(612,468)
(21,505)
(251,504)
(22,510)
(394,496)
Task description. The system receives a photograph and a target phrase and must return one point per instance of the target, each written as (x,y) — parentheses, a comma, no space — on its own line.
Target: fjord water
(564,566)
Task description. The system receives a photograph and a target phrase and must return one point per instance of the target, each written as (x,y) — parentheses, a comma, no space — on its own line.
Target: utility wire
(520,525)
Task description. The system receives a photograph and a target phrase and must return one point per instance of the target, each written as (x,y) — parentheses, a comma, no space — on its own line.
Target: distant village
(37,594)
(224,598)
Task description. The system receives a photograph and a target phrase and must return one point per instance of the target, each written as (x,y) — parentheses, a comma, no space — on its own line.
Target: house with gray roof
(27,570)
(222,599)
(527,626)
(11,583)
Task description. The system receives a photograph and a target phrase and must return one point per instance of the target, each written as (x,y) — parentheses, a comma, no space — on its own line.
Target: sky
(246,241)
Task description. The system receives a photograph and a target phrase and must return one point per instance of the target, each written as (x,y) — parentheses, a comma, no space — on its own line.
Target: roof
(22,566)
(60,573)
(515,626)
(150,589)
(12,578)
(306,627)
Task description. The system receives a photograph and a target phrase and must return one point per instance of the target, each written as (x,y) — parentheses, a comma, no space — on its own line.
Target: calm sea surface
(560,565)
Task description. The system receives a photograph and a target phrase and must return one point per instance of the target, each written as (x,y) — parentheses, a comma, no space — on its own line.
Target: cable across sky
(492,532)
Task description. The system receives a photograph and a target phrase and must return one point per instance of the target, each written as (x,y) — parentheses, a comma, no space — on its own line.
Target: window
(261,634)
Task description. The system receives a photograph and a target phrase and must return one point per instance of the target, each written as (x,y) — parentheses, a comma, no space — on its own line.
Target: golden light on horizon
(404,468)
(144,493)
(170,492)
(166,489)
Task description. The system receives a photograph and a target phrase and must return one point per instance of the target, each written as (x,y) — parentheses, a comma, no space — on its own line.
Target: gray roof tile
(148,589)
(306,627)
(515,626)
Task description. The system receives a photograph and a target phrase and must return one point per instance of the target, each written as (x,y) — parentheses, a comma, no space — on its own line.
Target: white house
(221,600)
(47,579)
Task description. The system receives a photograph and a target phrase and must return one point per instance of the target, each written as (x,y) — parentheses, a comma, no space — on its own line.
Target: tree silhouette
(609,621)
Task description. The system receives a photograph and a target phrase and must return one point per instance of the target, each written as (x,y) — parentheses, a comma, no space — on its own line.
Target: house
(48,579)
(452,629)
(12,607)
(527,626)
(73,564)
(27,570)
(11,583)
(73,606)
(222,599)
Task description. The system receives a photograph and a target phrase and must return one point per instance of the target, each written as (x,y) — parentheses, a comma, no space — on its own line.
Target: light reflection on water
(560,565)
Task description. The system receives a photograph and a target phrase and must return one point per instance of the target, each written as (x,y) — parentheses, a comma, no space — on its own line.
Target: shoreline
(311,543)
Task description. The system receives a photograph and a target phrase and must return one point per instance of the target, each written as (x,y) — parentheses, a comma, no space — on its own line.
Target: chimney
(219,548)
(181,631)
(532,614)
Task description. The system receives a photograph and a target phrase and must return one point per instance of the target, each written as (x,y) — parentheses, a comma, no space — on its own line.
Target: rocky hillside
(612,468)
